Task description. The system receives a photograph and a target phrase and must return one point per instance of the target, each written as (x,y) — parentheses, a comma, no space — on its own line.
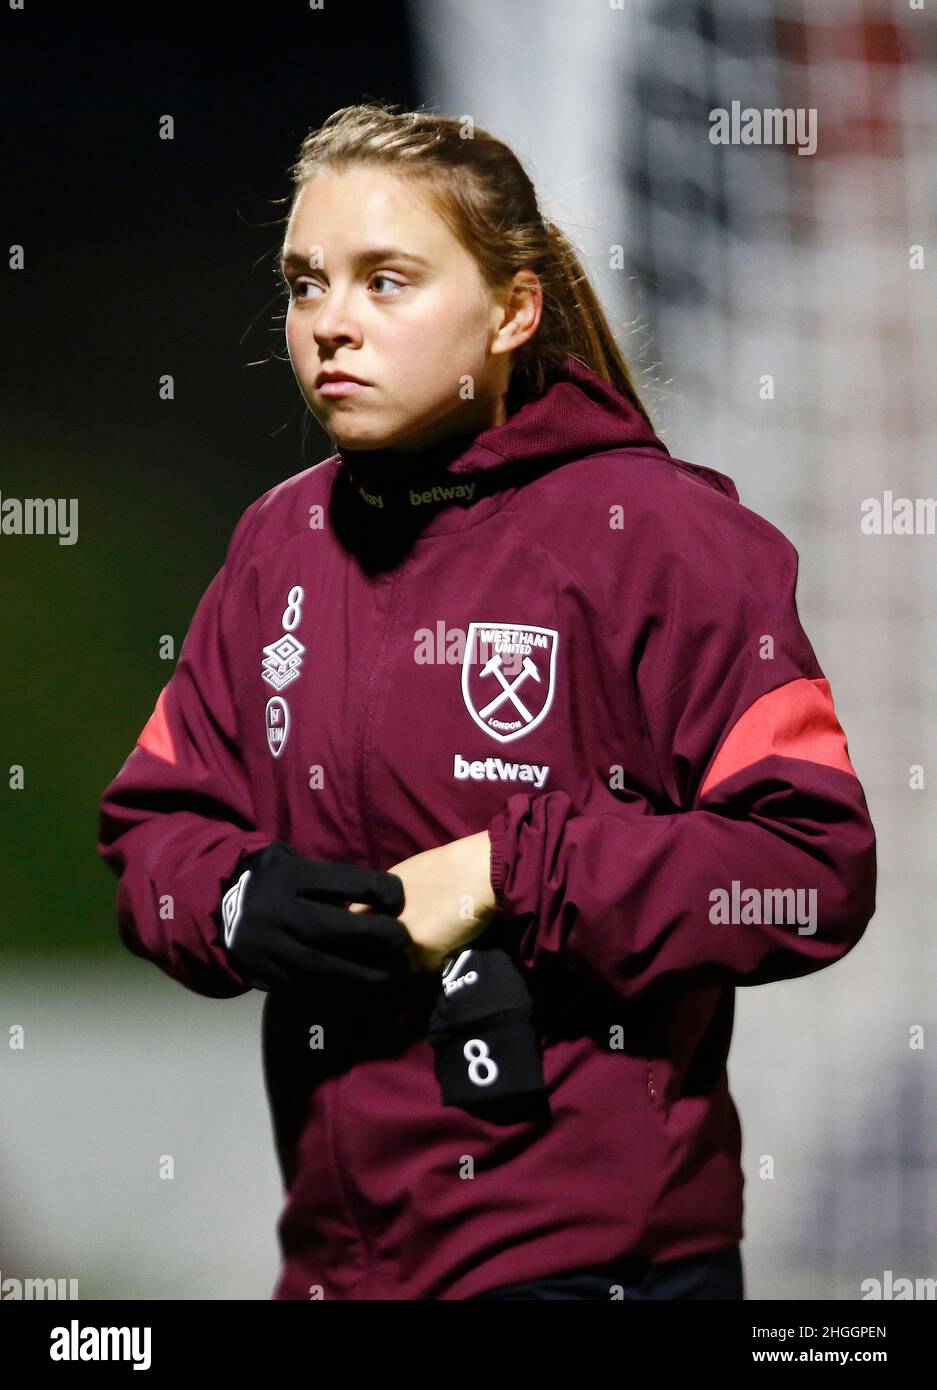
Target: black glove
(285,922)
(482,1031)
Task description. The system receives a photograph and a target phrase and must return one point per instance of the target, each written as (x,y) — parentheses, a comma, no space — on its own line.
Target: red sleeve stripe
(796,720)
(155,736)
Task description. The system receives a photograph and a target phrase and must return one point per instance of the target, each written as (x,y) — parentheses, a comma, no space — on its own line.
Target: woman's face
(381,289)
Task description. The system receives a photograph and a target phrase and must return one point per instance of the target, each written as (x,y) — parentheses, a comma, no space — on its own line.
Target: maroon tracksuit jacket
(561,633)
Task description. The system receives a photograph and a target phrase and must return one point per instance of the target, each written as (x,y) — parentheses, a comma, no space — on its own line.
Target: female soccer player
(497,755)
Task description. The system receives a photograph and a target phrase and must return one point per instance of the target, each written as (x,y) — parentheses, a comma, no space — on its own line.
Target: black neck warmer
(391,472)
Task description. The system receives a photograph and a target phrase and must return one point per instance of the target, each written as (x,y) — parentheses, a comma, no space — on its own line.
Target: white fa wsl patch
(282,661)
(278,724)
(508,677)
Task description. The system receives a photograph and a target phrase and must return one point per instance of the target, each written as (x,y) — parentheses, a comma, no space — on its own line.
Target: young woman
(500,709)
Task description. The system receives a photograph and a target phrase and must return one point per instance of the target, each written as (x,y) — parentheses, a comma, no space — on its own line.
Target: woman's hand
(448,898)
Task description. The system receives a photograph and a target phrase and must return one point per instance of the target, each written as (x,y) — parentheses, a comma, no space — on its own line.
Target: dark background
(143,257)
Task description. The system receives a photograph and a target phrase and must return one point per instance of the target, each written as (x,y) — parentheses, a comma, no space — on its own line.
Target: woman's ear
(518,312)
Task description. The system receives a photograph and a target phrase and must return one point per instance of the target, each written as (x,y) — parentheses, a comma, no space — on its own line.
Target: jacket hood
(579,414)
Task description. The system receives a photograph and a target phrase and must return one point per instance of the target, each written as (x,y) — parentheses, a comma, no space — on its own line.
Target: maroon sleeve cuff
(496,836)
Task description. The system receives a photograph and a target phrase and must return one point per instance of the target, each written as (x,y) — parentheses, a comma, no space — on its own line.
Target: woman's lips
(341,388)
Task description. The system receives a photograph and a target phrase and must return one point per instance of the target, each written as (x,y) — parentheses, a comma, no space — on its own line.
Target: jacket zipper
(359,1216)
(364,721)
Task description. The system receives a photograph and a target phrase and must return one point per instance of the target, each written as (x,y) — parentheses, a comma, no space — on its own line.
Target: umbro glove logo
(231,906)
(453,979)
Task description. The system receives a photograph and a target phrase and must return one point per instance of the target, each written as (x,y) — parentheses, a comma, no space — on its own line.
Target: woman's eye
(388,280)
(298,286)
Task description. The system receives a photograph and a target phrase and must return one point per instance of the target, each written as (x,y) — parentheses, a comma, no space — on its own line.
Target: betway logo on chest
(499,770)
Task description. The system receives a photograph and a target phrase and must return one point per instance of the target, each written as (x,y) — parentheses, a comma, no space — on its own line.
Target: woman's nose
(334,321)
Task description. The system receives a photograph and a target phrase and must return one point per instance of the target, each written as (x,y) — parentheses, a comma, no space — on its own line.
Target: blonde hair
(482,192)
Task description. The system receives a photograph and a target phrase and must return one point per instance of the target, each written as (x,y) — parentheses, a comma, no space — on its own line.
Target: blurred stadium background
(146,256)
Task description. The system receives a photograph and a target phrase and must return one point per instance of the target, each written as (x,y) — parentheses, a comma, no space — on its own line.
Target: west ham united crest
(508,677)
(278,724)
